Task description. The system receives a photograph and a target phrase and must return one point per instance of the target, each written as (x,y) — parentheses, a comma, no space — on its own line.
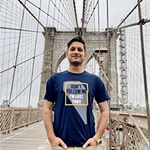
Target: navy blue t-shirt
(73,96)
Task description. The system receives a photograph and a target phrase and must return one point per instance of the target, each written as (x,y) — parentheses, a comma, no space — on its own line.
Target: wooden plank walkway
(32,137)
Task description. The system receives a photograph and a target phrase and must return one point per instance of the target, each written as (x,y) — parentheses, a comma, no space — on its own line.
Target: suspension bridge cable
(108,61)
(49,14)
(24,62)
(143,21)
(35,48)
(54,11)
(32,57)
(146,54)
(128,15)
(13,13)
(133,80)
(83,14)
(98,10)
(13,44)
(87,10)
(17,54)
(144,69)
(48,8)
(34,79)
(75,13)
(69,8)
(94,36)
(66,6)
(58,16)
(15,29)
(31,13)
(18,64)
(59,11)
(20,53)
(134,69)
(92,11)
(138,128)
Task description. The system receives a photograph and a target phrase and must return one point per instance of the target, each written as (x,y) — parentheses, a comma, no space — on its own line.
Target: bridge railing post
(40,111)
(28,116)
(11,119)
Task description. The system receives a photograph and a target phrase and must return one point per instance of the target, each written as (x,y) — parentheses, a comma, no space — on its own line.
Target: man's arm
(101,124)
(104,116)
(48,122)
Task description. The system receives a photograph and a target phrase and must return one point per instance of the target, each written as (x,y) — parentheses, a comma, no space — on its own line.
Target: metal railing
(125,136)
(14,118)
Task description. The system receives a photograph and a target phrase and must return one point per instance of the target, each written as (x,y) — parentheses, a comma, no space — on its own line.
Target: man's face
(76,53)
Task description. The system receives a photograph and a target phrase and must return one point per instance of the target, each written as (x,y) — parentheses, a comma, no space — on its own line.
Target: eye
(72,49)
(80,49)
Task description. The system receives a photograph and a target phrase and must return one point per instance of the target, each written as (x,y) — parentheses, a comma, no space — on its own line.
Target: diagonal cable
(75,13)
(31,14)
(92,12)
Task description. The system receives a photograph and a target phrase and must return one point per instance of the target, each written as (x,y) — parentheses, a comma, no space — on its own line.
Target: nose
(76,50)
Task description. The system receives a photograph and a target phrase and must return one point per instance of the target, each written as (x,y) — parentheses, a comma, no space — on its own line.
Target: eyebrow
(76,47)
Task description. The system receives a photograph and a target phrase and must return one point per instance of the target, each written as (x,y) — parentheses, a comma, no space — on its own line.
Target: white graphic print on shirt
(76,94)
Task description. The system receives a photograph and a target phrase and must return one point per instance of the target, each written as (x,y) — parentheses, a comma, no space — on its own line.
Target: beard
(75,63)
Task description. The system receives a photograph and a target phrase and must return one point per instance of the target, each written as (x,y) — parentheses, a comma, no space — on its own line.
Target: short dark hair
(76,39)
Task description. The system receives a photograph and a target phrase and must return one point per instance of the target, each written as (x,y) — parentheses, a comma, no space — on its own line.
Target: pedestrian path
(32,137)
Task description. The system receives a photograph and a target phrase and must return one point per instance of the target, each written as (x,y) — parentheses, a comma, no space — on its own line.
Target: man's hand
(56,141)
(48,122)
(91,142)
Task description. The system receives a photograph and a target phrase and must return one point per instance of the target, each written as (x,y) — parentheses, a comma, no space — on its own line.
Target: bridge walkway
(32,137)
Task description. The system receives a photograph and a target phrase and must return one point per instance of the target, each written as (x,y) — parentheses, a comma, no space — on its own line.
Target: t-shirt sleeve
(101,92)
(50,92)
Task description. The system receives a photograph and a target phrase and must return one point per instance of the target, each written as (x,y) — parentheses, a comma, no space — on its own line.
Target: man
(73,92)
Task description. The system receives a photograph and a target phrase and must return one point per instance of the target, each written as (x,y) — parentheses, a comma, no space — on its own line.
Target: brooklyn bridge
(33,42)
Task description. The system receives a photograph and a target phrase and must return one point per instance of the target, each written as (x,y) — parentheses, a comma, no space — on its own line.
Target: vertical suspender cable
(144,68)
(108,68)
(83,15)
(54,13)
(58,15)
(108,43)
(99,40)
(18,48)
(99,22)
(75,13)
(94,40)
(47,13)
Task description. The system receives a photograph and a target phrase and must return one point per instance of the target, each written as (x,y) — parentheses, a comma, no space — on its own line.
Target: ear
(66,53)
(85,55)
